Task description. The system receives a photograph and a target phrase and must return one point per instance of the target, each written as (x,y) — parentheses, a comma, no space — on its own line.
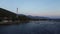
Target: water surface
(33,27)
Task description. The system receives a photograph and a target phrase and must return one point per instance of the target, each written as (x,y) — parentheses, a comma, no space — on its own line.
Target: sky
(33,7)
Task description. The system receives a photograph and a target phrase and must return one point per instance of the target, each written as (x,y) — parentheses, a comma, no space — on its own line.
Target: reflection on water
(33,27)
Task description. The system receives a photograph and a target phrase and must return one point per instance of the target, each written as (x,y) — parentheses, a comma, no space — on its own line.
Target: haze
(33,7)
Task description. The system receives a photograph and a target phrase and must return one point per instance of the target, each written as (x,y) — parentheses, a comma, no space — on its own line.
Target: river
(33,27)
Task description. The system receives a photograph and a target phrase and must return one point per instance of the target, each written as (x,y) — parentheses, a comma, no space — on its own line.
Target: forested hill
(9,14)
(4,12)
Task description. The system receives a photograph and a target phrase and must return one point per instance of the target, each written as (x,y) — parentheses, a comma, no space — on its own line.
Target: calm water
(33,27)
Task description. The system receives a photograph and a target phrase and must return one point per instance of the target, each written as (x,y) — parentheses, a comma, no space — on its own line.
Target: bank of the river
(13,22)
(19,22)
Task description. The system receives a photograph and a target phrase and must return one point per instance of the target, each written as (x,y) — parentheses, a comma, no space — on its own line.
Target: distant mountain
(55,17)
(21,15)
(37,17)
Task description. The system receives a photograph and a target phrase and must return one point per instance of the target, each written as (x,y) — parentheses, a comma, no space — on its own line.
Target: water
(33,27)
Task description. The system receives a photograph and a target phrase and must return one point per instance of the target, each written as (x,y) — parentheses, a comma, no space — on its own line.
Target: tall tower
(17,12)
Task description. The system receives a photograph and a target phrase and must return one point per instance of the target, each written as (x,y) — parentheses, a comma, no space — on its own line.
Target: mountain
(6,13)
(38,17)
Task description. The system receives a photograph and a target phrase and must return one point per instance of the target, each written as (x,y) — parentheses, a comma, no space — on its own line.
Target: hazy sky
(33,7)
